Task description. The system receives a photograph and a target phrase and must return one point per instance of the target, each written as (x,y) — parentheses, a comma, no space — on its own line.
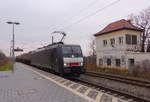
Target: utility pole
(10,48)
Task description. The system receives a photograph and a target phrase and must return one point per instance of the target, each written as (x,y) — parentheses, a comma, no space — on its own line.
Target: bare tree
(148,46)
(142,20)
(92,47)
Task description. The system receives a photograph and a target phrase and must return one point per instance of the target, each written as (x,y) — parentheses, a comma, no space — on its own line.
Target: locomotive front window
(76,50)
(68,51)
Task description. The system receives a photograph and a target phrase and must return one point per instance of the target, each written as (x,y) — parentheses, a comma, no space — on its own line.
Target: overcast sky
(39,18)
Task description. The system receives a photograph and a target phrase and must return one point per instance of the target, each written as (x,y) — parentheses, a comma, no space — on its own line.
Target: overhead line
(94,13)
(78,13)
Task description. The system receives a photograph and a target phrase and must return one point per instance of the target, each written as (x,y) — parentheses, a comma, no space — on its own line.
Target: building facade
(118,45)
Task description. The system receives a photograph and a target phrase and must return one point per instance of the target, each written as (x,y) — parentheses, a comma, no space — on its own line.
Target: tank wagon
(24,58)
(60,58)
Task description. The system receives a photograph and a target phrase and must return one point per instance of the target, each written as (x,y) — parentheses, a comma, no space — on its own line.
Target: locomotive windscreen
(69,51)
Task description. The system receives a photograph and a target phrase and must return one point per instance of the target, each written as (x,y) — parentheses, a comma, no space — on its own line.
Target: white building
(118,45)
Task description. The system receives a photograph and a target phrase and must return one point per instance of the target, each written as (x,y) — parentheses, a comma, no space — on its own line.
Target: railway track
(119,93)
(127,80)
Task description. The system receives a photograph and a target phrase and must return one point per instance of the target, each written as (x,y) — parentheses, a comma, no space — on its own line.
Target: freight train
(61,58)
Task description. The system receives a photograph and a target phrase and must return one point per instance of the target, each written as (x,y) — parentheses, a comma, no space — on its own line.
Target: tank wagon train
(58,57)
(24,58)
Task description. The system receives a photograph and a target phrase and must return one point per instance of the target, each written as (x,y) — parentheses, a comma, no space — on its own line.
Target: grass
(6,66)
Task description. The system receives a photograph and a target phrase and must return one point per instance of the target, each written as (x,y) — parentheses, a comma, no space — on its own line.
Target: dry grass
(139,71)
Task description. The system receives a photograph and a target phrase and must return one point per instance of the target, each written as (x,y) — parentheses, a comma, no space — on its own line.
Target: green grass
(6,66)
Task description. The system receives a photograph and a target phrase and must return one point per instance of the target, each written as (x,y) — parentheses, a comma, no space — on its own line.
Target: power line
(92,14)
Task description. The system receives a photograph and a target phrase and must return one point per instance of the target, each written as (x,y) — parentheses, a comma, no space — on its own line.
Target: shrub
(2,57)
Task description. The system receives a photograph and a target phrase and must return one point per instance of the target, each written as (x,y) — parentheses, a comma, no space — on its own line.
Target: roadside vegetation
(5,63)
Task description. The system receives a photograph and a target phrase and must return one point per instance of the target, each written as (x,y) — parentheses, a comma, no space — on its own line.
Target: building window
(134,39)
(100,61)
(131,39)
(112,42)
(131,62)
(117,62)
(120,40)
(104,42)
(108,61)
(128,39)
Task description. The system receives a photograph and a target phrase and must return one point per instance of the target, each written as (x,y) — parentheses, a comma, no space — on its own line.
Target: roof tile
(118,25)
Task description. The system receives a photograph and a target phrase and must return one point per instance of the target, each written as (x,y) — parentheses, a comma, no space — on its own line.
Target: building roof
(118,25)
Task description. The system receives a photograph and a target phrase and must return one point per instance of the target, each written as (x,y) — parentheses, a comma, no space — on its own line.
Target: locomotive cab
(72,59)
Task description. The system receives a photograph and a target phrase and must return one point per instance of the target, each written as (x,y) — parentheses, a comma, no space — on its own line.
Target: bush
(7,65)
(2,57)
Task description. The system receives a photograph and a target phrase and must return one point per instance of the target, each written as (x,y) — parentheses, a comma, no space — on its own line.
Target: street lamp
(13,39)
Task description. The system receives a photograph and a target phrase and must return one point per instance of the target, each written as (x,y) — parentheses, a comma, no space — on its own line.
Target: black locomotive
(60,58)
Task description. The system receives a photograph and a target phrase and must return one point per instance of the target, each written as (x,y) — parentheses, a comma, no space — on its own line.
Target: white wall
(119,50)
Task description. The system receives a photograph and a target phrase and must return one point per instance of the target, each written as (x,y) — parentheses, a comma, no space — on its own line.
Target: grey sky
(39,18)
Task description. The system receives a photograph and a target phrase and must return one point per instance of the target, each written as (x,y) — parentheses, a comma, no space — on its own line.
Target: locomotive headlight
(65,64)
(81,64)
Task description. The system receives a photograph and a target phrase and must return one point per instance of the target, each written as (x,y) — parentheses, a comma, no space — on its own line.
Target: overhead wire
(92,14)
(77,13)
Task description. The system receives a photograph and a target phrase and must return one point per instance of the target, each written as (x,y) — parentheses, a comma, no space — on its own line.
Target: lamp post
(13,39)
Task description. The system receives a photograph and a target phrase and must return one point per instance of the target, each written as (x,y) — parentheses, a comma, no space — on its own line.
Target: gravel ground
(131,89)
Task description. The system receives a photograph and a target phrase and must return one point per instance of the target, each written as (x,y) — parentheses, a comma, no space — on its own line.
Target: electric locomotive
(60,58)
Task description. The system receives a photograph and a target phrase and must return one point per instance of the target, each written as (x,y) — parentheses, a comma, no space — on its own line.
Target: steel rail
(127,80)
(122,93)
